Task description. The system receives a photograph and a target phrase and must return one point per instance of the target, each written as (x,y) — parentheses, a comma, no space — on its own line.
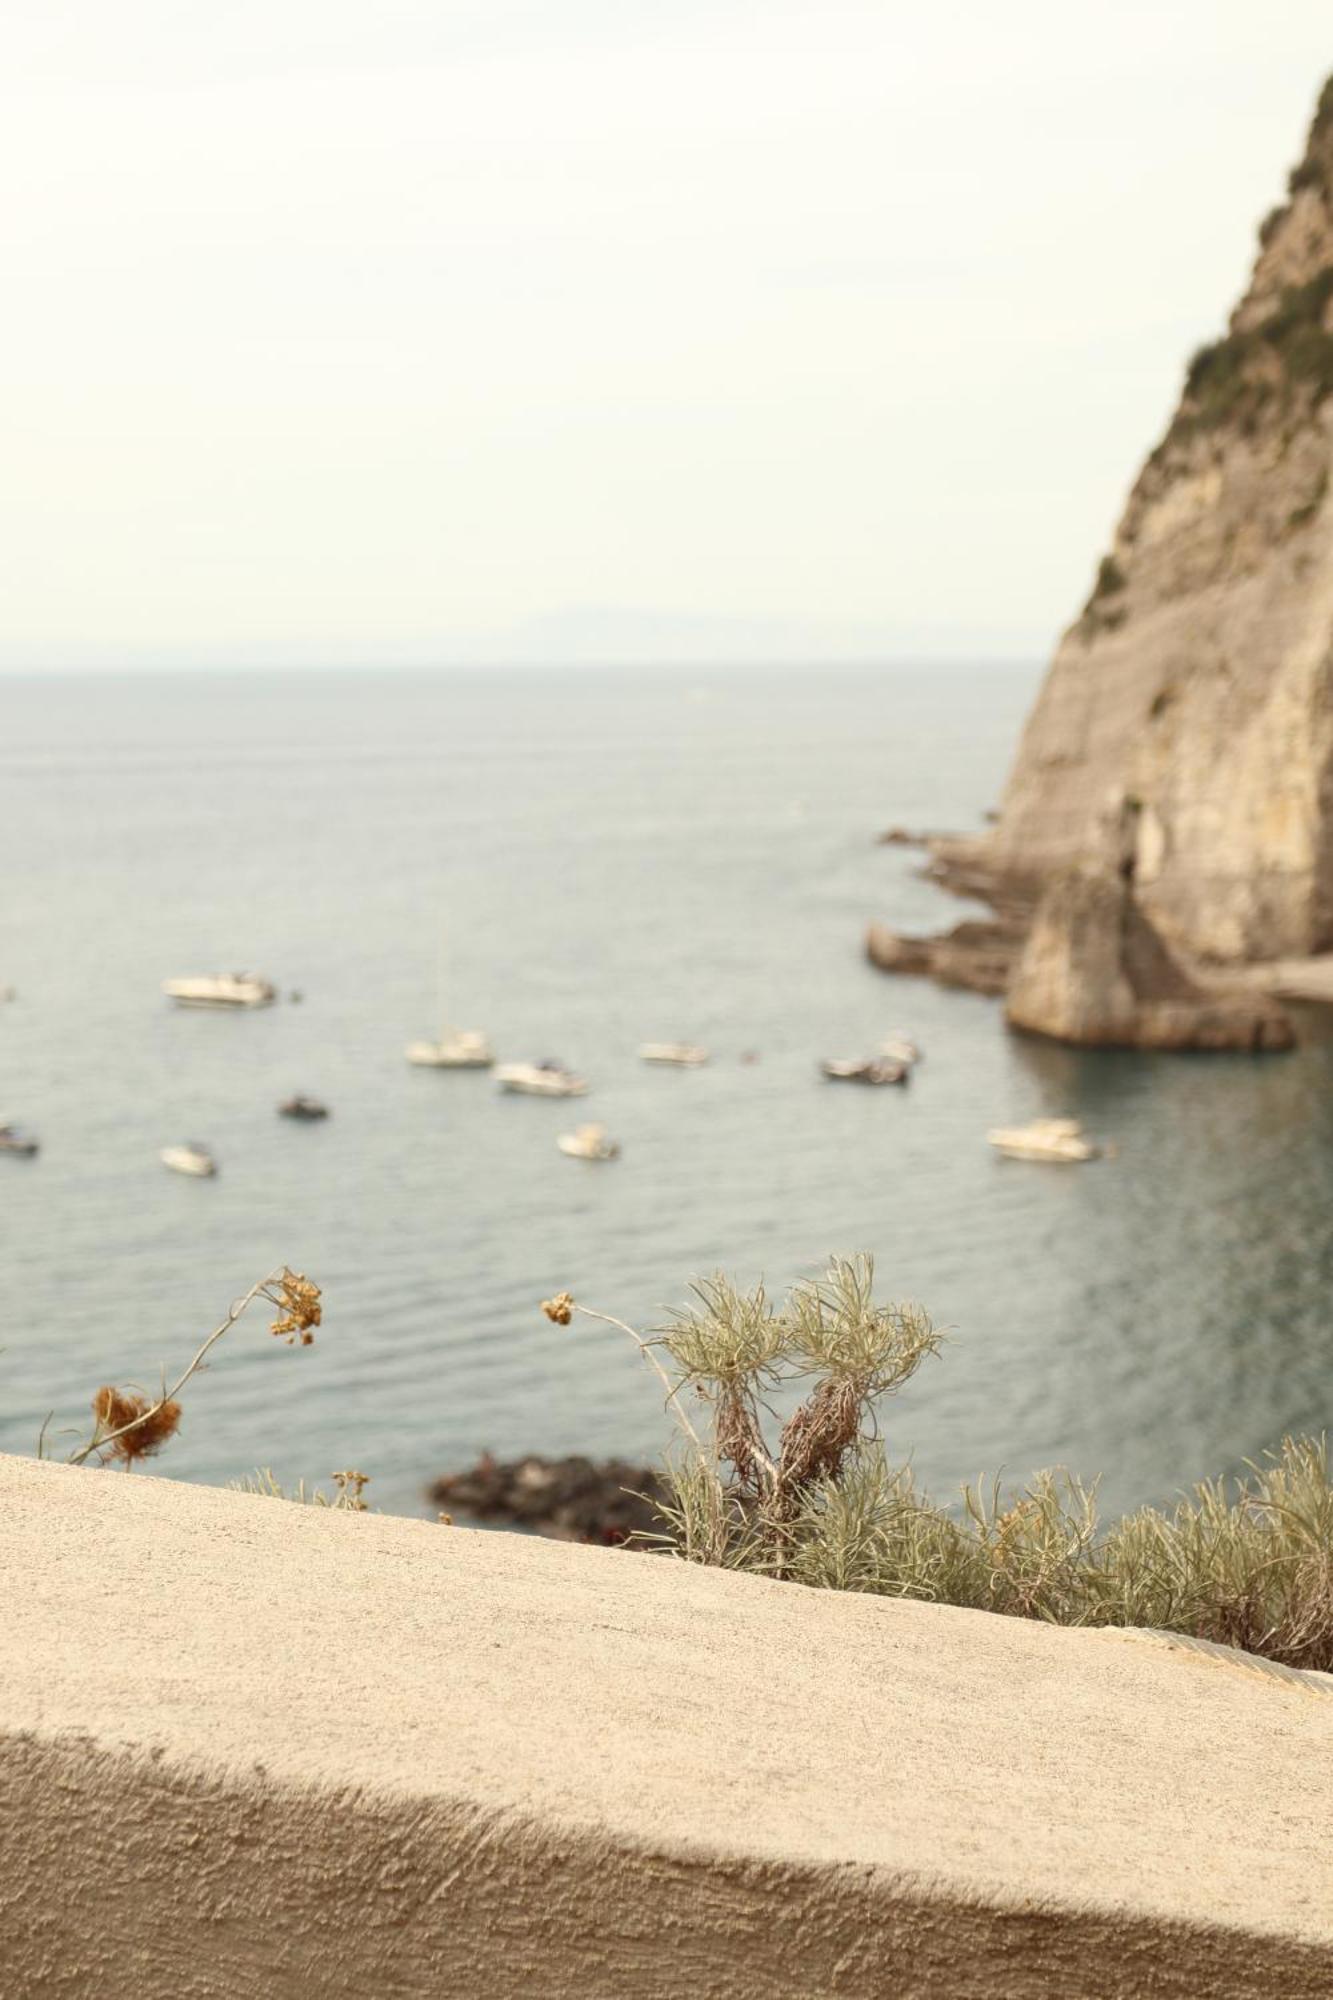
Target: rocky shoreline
(1083,963)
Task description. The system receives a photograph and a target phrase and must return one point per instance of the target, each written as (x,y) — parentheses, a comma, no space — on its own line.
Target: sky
(405,331)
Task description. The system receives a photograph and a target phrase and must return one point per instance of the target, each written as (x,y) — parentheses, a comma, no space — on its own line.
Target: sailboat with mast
(456,1048)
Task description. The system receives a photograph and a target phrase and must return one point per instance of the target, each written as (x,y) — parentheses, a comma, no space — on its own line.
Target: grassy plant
(738,1498)
(347,1497)
(728,1336)
(1248,1563)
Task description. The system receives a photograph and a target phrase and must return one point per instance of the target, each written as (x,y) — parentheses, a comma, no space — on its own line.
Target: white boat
(191,1158)
(900,1048)
(454,1048)
(1054,1139)
(223,989)
(460,1048)
(863,1069)
(590,1142)
(685,1055)
(13,1140)
(547,1079)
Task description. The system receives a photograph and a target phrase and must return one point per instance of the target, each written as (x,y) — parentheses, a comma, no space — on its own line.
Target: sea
(578,861)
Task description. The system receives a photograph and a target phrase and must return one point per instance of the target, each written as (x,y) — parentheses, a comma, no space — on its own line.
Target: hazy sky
(551,329)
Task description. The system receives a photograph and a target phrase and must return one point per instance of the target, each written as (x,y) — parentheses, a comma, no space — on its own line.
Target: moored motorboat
(544,1079)
(589,1142)
(189,1158)
(224,989)
(14,1140)
(900,1048)
(300,1106)
(865,1069)
(684,1055)
(1058,1140)
(458,1048)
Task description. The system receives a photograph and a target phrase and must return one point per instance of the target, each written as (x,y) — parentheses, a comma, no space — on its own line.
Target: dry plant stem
(645,1348)
(234,1312)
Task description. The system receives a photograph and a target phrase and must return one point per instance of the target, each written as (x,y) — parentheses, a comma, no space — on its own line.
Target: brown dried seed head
(299,1308)
(560,1308)
(150,1424)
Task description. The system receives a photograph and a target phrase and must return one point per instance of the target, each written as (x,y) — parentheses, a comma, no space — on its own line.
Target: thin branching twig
(297,1301)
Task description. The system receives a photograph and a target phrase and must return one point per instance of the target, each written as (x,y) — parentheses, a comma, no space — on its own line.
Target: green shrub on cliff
(815,1498)
(1283,364)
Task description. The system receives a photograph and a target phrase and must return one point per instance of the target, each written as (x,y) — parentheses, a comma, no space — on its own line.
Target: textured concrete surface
(248,1748)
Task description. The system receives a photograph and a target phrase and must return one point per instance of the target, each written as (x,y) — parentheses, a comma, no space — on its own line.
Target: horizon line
(756,663)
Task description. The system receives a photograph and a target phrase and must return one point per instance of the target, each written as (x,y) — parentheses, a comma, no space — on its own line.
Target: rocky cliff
(1094,970)
(1184,735)
(1195,692)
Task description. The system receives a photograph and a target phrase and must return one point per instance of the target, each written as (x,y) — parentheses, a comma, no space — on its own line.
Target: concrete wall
(248,1748)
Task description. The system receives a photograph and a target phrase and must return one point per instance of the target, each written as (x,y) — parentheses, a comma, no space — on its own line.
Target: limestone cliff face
(1185,728)
(1093,970)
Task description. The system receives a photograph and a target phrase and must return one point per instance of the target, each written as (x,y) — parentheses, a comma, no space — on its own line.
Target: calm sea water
(576,862)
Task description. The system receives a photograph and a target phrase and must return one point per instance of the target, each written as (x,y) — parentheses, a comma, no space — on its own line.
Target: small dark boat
(303,1107)
(869,1071)
(12,1140)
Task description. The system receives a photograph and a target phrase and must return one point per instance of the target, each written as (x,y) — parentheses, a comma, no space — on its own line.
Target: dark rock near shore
(978,955)
(571,1499)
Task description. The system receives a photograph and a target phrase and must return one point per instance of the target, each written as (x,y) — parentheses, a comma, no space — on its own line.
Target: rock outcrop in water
(1183,740)
(977,955)
(1094,970)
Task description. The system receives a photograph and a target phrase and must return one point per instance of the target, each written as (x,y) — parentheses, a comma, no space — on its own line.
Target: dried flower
(350,1486)
(299,1309)
(560,1308)
(144,1427)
